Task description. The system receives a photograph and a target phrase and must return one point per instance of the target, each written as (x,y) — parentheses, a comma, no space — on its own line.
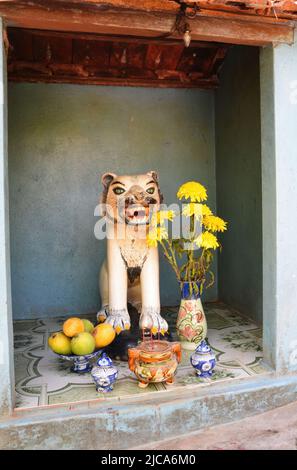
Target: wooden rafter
(39,56)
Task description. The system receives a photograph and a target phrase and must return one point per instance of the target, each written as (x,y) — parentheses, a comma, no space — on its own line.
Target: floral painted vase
(154,361)
(203,360)
(191,323)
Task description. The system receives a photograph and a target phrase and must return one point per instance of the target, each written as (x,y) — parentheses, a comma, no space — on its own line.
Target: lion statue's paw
(151,319)
(118,319)
(102,314)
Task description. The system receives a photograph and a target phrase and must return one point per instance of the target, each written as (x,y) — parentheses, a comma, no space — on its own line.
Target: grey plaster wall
(238,170)
(61,139)
(279,174)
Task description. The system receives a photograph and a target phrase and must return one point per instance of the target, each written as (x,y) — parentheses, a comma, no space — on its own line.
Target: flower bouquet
(189,249)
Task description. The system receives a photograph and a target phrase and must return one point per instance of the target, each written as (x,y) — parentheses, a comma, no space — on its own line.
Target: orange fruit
(73,326)
(104,334)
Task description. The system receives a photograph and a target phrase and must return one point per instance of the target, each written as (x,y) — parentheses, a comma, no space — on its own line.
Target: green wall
(238,170)
(61,139)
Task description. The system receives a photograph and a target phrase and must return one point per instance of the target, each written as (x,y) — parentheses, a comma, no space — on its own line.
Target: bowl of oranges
(80,342)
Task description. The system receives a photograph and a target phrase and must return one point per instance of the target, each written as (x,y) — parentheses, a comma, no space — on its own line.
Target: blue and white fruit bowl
(81,364)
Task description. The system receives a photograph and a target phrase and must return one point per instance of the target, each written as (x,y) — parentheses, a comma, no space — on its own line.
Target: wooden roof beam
(86,17)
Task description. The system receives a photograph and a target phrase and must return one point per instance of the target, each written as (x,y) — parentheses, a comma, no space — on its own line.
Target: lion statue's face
(130,199)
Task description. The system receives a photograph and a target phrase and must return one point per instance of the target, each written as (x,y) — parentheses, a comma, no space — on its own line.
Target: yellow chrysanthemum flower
(214,223)
(151,242)
(160,216)
(162,233)
(193,191)
(156,235)
(198,210)
(207,240)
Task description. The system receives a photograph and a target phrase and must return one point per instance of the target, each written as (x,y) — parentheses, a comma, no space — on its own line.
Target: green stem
(171,259)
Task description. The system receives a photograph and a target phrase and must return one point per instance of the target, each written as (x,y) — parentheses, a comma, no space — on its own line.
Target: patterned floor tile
(42,378)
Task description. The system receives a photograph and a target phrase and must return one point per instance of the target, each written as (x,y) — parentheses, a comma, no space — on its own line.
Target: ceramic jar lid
(104,361)
(203,348)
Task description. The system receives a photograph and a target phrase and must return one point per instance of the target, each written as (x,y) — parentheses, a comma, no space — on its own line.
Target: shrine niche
(136,80)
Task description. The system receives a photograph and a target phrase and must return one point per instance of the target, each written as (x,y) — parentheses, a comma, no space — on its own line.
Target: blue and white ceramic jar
(203,360)
(104,374)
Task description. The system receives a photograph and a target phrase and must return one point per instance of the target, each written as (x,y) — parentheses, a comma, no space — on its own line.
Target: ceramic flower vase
(191,323)
(203,360)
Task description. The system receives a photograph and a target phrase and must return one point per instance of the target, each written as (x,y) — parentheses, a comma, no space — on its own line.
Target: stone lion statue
(130,272)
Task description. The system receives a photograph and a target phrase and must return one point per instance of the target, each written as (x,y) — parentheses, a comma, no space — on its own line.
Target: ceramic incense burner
(154,361)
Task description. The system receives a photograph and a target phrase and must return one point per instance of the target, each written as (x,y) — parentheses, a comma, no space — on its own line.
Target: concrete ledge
(127,424)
